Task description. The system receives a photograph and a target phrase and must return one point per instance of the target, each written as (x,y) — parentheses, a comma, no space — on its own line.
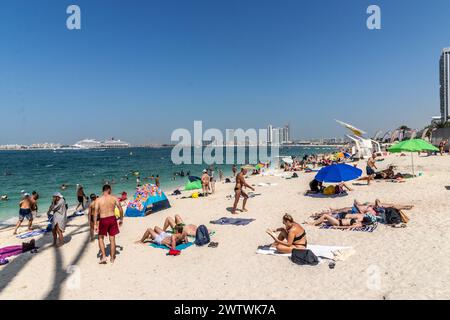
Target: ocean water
(45,171)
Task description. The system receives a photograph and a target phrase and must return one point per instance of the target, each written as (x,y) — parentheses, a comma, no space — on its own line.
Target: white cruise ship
(113,143)
(95,144)
(87,144)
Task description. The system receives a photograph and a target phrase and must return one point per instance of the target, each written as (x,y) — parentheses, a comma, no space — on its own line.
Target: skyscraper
(444,74)
(269,133)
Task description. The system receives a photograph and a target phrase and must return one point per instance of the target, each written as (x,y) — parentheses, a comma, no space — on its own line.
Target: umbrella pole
(412,162)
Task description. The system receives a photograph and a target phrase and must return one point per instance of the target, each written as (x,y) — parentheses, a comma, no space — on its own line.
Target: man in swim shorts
(370,168)
(25,211)
(105,207)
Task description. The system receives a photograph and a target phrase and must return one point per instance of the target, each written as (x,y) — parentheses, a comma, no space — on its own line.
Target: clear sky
(139,69)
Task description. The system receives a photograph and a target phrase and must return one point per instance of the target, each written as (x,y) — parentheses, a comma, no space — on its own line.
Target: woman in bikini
(292,236)
(341,223)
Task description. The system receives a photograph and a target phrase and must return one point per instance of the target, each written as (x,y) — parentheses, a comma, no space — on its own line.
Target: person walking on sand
(25,211)
(157,183)
(91,216)
(205,183)
(34,206)
(105,207)
(442,146)
(370,168)
(58,212)
(212,181)
(238,192)
(234,169)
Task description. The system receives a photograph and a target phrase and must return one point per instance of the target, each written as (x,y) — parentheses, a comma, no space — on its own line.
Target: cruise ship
(95,144)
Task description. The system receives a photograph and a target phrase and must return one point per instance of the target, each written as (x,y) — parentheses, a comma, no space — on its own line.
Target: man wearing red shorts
(105,206)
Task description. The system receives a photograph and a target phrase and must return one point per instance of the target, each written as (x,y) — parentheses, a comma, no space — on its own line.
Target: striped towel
(369,228)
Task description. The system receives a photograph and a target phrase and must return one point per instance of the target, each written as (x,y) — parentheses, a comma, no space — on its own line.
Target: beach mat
(33,233)
(232,221)
(322,252)
(321,195)
(370,228)
(179,247)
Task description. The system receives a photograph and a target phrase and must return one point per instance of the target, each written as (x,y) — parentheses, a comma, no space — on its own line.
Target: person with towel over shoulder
(58,212)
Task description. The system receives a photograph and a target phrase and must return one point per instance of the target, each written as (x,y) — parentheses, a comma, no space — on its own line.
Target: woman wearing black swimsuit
(293,236)
(339,223)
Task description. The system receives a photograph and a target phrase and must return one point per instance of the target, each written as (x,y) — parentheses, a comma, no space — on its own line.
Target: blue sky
(139,69)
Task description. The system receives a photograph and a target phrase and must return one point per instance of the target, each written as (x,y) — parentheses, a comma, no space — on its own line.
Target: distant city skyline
(140,70)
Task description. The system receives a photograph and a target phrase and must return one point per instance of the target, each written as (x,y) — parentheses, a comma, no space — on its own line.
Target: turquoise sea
(45,171)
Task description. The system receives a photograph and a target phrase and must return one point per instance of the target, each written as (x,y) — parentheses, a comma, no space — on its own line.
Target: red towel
(173,252)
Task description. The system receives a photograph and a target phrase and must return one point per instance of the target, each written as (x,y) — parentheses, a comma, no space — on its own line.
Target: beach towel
(321,195)
(369,228)
(233,221)
(33,233)
(322,252)
(179,247)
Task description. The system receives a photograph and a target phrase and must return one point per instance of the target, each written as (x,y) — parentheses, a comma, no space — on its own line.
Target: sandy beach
(389,263)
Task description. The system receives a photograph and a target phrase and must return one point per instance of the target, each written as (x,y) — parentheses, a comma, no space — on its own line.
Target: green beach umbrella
(412,145)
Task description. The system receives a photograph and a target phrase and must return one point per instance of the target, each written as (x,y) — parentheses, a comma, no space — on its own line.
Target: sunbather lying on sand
(189,229)
(160,237)
(341,223)
(292,236)
(361,211)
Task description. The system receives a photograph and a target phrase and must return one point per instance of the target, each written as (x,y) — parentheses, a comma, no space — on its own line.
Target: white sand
(409,263)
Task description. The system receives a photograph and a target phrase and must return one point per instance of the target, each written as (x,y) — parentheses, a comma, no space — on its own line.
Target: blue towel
(179,247)
(32,234)
(321,195)
(233,221)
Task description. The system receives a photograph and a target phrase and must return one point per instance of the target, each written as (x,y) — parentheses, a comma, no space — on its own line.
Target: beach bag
(202,236)
(330,190)
(304,257)
(392,216)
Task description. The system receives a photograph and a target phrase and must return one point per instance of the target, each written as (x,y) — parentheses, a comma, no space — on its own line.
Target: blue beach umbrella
(338,173)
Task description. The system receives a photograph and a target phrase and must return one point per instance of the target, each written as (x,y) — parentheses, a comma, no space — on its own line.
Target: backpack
(304,257)
(392,216)
(202,236)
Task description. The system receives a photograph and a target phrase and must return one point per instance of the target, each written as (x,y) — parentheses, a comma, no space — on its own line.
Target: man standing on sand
(25,211)
(370,168)
(442,146)
(105,207)
(240,183)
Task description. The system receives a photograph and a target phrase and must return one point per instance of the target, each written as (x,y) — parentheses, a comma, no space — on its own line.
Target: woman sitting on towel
(292,236)
(341,223)
(159,237)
